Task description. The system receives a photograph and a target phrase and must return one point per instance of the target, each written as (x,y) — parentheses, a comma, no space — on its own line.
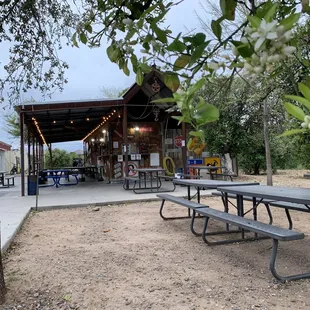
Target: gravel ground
(127,257)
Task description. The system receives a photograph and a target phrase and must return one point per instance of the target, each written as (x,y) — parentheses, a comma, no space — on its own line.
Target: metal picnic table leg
(240,210)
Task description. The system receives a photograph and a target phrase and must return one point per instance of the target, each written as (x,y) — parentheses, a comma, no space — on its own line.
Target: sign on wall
(178,141)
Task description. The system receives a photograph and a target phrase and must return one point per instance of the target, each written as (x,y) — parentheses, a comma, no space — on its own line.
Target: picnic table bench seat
(266,230)
(8,180)
(225,176)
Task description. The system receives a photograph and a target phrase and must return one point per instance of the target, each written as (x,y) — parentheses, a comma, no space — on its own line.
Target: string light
(105,119)
(39,130)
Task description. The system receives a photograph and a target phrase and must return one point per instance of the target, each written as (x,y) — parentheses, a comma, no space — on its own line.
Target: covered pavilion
(115,132)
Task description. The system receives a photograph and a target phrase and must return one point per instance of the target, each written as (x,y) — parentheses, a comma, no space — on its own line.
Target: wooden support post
(22,152)
(125,138)
(29,149)
(33,154)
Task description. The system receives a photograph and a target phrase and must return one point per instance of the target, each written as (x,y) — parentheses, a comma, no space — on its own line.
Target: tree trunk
(267,145)
(2,283)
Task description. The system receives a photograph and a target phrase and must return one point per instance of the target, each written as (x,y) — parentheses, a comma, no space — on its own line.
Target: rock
(95,209)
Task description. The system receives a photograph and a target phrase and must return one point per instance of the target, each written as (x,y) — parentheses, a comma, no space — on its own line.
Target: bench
(266,230)
(278,204)
(8,179)
(190,205)
(225,176)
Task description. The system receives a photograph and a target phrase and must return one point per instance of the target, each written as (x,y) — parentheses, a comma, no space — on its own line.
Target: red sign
(178,141)
(146,129)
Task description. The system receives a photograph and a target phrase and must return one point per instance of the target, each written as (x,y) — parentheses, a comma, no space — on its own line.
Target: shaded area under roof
(63,121)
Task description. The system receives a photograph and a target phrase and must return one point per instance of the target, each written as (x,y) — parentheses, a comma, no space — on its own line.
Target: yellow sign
(215,162)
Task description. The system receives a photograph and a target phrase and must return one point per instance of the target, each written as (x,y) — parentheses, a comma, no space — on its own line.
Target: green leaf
(299,99)
(293,132)
(145,67)
(189,143)
(297,112)
(254,21)
(161,35)
(176,117)
(269,16)
(179,118)
(88,28)
(74,40)
(228,8)
(244,49)
(195,87)
(198,133)
(134,62)
(198,53)
(125,68)
(83,38)
(181,62)
(172,81)
(176,46)
(216,28)
(110,50)
(206,113)
(289,22)
(305,90)
(139,77)
(198,38)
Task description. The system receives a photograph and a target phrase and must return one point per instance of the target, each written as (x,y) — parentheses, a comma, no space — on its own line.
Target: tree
(60,158)
(35,31)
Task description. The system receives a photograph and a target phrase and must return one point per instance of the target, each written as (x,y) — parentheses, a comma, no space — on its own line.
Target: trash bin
(32,185)
(179,173)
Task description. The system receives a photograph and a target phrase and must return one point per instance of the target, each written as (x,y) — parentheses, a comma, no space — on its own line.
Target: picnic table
(56,175)
(148,181)
(211,170)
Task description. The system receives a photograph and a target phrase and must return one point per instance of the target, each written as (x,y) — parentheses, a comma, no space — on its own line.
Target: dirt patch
(127,257)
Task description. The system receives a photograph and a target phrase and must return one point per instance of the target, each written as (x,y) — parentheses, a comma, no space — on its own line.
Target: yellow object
(214,161)
(165,161)
(196,145)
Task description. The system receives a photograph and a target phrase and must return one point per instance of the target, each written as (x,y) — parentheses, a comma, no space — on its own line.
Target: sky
(90,69)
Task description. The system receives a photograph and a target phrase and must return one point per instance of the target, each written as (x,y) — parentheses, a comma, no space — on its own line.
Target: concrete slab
(14,208)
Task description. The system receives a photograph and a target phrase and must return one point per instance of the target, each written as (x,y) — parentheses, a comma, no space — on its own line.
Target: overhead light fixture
(71,122)
(92,140)
(54,122)
(87,118)
(137,128)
